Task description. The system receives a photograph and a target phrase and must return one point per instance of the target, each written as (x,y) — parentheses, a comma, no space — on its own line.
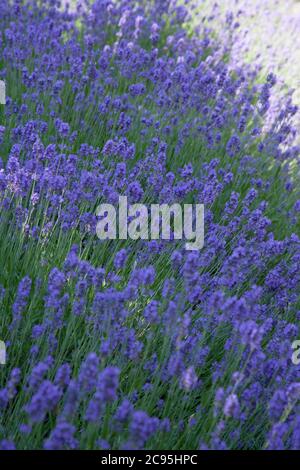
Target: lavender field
(142,343)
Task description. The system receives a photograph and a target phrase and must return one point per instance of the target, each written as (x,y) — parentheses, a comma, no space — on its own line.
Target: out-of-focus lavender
(265,33)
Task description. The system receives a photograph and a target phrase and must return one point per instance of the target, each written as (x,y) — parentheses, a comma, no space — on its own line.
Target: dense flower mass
(118,344)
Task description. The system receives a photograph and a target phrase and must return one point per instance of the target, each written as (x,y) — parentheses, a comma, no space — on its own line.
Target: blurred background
(268,34)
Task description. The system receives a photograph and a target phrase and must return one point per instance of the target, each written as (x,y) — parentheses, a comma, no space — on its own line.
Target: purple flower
(123,411)
(21,299)
(233,146)
(88,374)
(232,406)
(189,379)
(6,444)
(120,259)
(43,401)
(277,404)
(142,427)
(61,438)
(106,391)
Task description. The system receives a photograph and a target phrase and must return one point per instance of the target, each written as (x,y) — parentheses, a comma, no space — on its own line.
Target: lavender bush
(141,344)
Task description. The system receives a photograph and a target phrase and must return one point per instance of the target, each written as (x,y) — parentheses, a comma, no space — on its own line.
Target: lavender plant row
(142,344)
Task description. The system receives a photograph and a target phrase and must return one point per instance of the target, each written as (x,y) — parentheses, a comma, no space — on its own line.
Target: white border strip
(2,92)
